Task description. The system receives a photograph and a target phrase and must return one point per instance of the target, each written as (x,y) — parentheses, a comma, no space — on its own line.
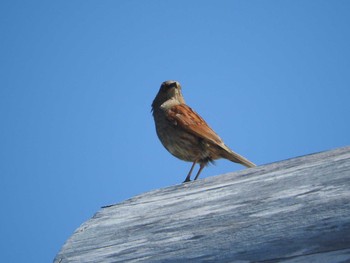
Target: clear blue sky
(78,78)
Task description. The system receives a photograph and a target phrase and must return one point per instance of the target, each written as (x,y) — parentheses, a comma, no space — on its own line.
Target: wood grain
(297,210)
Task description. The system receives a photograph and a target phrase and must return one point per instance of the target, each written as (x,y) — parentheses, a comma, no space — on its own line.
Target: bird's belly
(183,145)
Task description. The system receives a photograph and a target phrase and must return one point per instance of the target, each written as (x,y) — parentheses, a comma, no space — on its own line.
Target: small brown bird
(185,134)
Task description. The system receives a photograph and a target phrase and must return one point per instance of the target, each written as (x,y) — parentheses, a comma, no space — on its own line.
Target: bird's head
(169,90)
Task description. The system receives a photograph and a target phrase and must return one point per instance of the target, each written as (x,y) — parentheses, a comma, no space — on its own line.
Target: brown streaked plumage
(185,134)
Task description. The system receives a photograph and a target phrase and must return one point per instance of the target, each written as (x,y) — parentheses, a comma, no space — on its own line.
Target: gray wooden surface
(296,210)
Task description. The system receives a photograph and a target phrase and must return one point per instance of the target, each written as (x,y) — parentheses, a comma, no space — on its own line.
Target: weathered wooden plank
(296,210)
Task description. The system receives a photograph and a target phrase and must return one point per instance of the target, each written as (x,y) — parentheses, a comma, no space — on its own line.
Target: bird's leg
(202,165)
(188,177)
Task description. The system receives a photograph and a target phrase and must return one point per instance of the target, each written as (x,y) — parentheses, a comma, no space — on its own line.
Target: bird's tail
(235,157)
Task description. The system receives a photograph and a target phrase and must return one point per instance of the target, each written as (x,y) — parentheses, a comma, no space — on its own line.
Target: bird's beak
(173,85)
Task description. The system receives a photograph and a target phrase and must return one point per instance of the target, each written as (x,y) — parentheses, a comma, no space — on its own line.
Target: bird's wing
(184,117)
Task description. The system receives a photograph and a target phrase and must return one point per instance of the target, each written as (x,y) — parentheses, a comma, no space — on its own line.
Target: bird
(185,134)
